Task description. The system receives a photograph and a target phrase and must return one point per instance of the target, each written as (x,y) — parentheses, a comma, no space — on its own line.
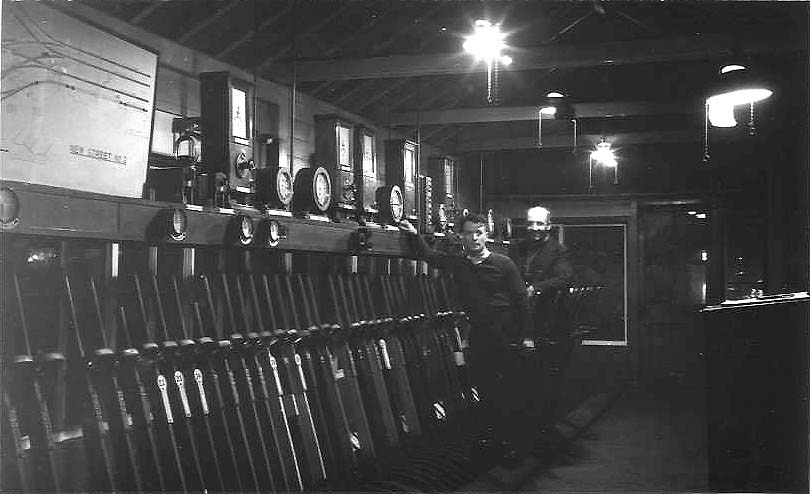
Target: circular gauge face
(179,223)
(274,234)
(322,188)
(284,186)
(9,208)
(246,230)
(441,215)
(397,204)
(241,164)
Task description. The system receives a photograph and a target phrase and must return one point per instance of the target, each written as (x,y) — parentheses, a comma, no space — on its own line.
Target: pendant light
(735,85)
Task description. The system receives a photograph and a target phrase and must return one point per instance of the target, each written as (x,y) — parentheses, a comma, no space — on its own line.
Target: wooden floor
(647,441)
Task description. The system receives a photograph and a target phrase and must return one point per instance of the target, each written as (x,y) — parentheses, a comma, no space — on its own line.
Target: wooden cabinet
(365,173)
(335,151)
(400,169)
(426,204)
(227,133)
(445,186)
(757,394)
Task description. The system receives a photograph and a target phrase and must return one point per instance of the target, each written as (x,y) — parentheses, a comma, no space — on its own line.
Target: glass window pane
(368,155)
(598,258)
(448,178)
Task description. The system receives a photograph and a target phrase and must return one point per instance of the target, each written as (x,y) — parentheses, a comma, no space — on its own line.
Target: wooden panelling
(59,214)
(757,394)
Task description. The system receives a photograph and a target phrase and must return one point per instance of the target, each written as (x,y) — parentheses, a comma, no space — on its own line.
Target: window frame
(561,226)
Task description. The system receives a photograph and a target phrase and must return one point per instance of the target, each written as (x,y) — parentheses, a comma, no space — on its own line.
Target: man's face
(474,236)
(538,223)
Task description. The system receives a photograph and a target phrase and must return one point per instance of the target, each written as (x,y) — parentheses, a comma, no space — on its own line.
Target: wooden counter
(757,394)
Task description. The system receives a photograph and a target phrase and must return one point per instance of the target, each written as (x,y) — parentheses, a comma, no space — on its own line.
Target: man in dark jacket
(542,260)
(494,296)
(545,267)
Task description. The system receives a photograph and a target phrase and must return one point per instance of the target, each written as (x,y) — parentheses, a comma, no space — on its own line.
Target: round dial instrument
(9,208)
(284,186)
(322,189)
(274,234)
(246,230)
(397,204)
(179,223)
(441,217)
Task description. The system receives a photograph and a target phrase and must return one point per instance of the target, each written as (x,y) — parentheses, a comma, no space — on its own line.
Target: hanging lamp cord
(539,127)
(706,156)
(752,126)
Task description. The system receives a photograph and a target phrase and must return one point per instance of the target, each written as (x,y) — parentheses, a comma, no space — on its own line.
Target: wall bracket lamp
(556,107)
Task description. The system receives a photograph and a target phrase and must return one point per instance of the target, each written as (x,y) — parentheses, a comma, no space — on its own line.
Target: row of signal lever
(247,382)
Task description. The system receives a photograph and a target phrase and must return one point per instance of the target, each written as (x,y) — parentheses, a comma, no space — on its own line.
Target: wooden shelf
(52,211)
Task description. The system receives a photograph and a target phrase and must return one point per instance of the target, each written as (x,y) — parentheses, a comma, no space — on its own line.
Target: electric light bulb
(721,114)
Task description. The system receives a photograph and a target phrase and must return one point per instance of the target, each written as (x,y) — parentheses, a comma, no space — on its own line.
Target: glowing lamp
(486,44)
(721,114)
(604,156)
(736,85)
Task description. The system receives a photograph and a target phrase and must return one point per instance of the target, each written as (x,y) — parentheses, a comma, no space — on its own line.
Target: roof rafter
(363,86)
(517,113)
(434,96)
(544,57)
(309,29)
(380,95)
(146,12)
(250,34)
(565,140)
(208,21)
(361,33)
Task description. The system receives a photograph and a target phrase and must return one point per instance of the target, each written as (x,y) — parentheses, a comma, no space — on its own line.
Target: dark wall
(758,183)
(642,169)
(761,183)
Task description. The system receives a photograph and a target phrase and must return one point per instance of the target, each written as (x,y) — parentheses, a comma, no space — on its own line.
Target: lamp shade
(737,85)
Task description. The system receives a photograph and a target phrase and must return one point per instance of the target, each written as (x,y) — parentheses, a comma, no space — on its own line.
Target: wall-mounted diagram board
(77,103)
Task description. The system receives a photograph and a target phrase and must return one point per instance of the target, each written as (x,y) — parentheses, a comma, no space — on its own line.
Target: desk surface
(781,298)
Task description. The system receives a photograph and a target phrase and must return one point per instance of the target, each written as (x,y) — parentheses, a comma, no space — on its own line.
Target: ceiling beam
(373,99)
(251,33)
(364,32)
(584,140)
(518,113)
(208,21)
(146,12)
(392,38)
(358,88)
(544,57)
(300,34)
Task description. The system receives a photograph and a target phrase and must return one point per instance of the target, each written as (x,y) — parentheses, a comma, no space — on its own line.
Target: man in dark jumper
(494,296)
